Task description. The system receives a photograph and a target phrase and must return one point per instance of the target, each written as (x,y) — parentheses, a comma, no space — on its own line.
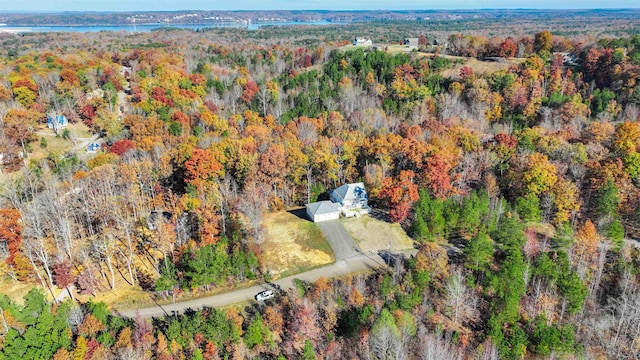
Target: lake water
(147,28)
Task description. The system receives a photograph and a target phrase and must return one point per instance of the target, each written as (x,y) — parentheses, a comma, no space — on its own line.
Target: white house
(568,59)
(323,211)
(360,41)
(352,198)
(93,147)
(57,122)
(411,43)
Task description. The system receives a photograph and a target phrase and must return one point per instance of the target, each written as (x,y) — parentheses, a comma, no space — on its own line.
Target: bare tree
(57,216)
(36,250)
(264,96)
(487,351)
(385,344)
(252,203)
(434,347)
(625,311)
(105,251)
(462,301)
(5,326)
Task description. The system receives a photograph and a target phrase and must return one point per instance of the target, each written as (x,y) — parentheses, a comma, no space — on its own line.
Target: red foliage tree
(506,140)
(211,106)
(422,39)
(307,61)
(508,48)
(142,334)
(466,72)
(182,118)
(591,62)
(160,94)
(92,345)
(89,280)
(197,79)
(250,90)
(87,113)
(63,276)
(121,146)
(26,82)
(437,175)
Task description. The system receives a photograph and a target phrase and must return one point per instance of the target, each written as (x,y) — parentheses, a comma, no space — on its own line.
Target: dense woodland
(519,187)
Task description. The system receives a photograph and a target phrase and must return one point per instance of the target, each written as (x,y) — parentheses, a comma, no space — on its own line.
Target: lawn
(57,144)
(16,290)
(293,244)
(479,66)
(373,235)
(123,297)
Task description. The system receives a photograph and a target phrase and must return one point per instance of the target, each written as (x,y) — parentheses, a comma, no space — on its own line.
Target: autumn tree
(10,233)
(63,276)
(202,167)
(437,174)
(542,42)
(539,175)
(400,194)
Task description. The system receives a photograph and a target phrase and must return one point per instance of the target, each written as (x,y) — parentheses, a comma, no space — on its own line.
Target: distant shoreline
(153,26)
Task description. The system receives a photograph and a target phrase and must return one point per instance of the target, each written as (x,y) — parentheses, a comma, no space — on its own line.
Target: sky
(159,5)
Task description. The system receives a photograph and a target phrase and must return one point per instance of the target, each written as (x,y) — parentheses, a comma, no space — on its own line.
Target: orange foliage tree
(10,232)
(400,193)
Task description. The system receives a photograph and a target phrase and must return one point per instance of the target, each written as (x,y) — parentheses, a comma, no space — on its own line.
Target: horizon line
(312,10)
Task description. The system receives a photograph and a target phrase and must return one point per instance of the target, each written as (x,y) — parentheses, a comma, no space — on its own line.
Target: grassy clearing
(352,47)
(15,290)
(293,244)
(373,235)
(479,67)
(57,144)
(122,298)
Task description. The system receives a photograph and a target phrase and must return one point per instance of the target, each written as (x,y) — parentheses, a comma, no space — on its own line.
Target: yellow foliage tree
(540,175)
(565,199)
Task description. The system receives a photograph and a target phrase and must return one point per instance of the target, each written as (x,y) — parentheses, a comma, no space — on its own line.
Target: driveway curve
(348,257)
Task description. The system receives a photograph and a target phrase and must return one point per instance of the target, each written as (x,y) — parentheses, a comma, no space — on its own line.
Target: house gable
(351,196)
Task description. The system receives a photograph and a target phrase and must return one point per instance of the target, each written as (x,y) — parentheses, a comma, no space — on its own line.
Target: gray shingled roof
(323,207)
(347,191)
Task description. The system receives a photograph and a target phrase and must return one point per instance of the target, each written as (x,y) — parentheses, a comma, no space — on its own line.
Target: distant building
(412,43)
(93,147)
(57,122)
(360,41)
(568,59)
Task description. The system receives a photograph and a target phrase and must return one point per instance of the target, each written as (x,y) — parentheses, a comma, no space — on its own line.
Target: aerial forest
(512,161)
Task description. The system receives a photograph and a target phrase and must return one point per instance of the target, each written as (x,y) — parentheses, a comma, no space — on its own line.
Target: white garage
(323,211)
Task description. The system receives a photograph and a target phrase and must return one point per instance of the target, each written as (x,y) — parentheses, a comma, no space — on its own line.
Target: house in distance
(411,43)
(348,200)
(360,41)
